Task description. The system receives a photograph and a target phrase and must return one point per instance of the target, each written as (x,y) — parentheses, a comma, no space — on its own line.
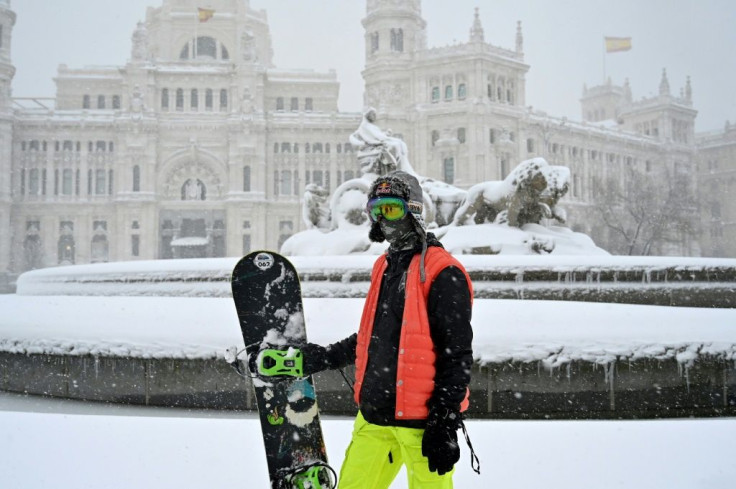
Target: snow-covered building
(199,146)
(717,186)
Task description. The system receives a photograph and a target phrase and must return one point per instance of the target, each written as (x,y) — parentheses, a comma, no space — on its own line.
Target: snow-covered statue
(315,213)
(140,42)
(528,194)
(378,151)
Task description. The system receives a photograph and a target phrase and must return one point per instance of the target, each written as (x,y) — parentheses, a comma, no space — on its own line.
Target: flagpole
(604,60)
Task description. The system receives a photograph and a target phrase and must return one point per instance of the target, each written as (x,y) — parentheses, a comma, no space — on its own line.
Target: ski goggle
(391,208)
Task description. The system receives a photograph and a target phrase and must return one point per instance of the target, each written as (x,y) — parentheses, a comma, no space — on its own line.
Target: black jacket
(449,311)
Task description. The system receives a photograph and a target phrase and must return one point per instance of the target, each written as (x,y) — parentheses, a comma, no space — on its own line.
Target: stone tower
(7,70)
(394,33)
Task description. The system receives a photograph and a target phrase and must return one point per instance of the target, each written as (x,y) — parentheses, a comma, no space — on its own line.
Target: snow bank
(504,330)
(122,448)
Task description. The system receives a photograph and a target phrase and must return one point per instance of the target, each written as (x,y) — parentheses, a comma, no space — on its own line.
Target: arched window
(194,99)
(206,47)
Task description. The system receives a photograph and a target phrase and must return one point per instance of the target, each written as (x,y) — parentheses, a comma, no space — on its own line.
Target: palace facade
(200,147)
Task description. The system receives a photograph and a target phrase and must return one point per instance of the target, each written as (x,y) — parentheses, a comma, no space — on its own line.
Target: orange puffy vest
(416,370)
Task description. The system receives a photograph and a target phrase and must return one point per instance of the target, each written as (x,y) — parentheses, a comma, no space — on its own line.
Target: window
(246,179)
(448,169)
(99,182)
(448,92)
(308,104)
(223,99)
(492,136)
(206,47)
(279,103)
(165,99)
(374,42)
(286,182)
(68,145)
(435,94)
(435,136)
(136,178)
(317,177)
(286,229)
(194,99)
(67,182)
(286,147)
(461,91)
(327,147)
(246,244)
(461,135)
(224,53)
(116,101)
(397,40)
(179,99)
(109,183)
(86,102)
(208,97)
(317,148)
(33,179)
(135,245)
(100,101)
(294,104)
(530,145)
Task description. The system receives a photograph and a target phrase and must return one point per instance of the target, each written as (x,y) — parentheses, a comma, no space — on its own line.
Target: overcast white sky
(563,43)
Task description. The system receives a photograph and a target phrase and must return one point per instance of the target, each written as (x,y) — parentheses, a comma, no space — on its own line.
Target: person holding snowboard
(412,352)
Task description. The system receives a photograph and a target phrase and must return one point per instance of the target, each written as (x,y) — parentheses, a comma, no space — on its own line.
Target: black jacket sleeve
(449,308)
(337,355)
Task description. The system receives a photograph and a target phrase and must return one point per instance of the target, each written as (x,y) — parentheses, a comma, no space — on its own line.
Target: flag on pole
(617,44)
(205,14)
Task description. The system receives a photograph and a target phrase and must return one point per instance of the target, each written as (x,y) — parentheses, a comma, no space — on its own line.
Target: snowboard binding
(317,475)
(271,362)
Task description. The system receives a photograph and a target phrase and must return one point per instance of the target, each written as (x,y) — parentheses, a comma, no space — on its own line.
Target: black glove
(439,443)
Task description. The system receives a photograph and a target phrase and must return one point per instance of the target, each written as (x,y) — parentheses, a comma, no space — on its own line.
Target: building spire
(476,31)
(664,85)
(688,90)
(519,38)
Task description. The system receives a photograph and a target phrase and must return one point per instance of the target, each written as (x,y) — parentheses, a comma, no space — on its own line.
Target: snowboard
(268,301)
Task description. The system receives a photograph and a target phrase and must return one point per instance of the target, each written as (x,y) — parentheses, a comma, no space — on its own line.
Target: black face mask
(401,234)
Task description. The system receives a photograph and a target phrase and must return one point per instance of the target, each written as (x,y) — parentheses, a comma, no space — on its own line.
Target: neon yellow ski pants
(376,453)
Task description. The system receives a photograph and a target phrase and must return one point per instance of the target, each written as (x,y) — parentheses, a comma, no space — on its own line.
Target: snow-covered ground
(72,445)
(552,331)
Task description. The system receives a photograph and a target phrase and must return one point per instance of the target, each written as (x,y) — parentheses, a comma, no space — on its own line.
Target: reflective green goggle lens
(391,208)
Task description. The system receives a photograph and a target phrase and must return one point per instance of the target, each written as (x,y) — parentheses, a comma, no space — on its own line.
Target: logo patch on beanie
(383,188)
